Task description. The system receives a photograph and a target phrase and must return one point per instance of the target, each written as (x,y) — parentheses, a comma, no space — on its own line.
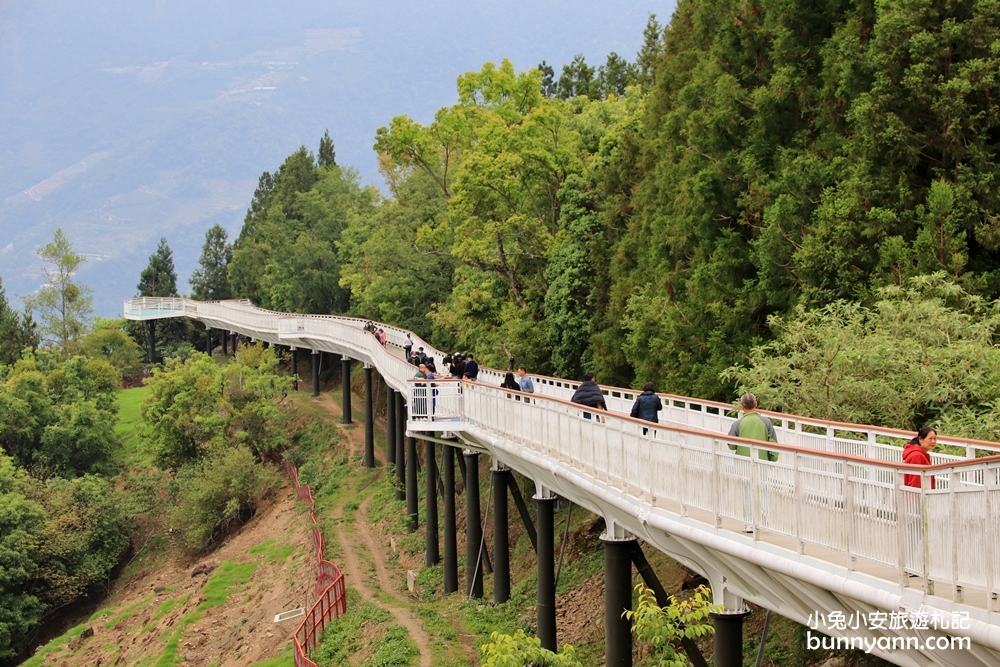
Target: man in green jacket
(753,426)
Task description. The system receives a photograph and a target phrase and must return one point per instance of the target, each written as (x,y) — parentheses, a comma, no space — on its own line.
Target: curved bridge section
(828,532)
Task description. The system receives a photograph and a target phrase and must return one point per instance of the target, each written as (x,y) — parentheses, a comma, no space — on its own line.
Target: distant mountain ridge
(126,122)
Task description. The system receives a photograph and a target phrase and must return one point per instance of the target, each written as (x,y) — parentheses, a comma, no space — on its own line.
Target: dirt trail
(352,568)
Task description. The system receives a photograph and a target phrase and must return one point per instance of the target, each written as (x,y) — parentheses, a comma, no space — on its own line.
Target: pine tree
(549,86)
(159,278)
(327,156)
(17,331)
(210,282)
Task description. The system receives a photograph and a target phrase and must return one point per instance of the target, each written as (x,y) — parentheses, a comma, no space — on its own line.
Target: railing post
(473,527)
(345,381)
(501,537)
(450,532)
(400,447)
(412,502)
(369,418)
(390,426)
(546,602)
(431,556)
(315,372)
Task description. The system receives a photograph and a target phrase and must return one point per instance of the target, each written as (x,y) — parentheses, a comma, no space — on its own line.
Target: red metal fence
(331,594)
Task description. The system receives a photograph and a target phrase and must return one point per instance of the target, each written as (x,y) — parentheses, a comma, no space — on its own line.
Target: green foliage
(923,353)
(19,519)
(519,649)
(109,340)
(195,404)
(218,493)
(663,627)
(57,417)
(83,537)
(62,304)
(17,331)
(210,282)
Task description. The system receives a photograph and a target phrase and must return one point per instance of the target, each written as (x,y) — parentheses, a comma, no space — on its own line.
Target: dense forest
(661,219)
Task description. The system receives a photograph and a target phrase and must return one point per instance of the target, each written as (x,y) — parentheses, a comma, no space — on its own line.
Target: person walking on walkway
(918,452)
(471,368)
(753,426)
(647,404)
(589,394)
(407,346)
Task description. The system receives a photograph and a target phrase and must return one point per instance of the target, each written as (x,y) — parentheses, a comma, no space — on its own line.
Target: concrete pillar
(450,533)
(390,426)
(546,605)
(369,420)
(431,555)
(617,597)
(473,527)
(412,506)
(501,536)
(315,372)
(400,445)
(345,381)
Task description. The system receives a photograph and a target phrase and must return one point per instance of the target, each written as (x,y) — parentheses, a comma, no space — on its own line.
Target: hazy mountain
(127,121)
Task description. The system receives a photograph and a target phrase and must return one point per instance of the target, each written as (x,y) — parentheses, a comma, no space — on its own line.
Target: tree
(577,79)
(650,52)
(20,517)
(519,649)
(664,627)
(549,87)
(327,156)
(923,353)
(110,341)
(159,278)
(614,76)
(63,305)
(17,331)
(210,282)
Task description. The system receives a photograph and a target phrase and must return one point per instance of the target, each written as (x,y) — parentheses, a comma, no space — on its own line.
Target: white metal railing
(861,509)
(436,400)
(838,486)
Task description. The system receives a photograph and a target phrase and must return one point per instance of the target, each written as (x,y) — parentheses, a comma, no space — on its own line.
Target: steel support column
(412,506)
(431,555)
(501,537)
(208,341)
(151,341)
(345,381)
(400,444)
(450,532)
(473,527)
(390,426)
(369,419)
(295,369)
(546,605)
(728,649)
(617,599)
(315,369)
(225,343)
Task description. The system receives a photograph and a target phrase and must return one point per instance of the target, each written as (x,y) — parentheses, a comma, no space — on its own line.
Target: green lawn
(129,402)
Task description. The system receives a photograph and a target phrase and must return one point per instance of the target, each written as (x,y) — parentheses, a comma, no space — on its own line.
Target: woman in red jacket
(918,452)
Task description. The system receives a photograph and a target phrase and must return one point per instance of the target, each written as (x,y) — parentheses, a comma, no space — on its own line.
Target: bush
(219,493)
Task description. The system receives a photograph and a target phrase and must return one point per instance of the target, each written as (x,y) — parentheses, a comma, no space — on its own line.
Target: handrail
(331,591)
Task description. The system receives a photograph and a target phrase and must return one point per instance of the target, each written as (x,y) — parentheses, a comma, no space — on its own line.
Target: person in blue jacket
(647,404)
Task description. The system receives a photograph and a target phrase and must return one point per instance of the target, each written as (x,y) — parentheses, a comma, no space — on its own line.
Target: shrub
(219,493)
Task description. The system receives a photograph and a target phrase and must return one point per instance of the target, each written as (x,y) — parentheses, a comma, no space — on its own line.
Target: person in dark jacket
(647,404)
(457,366)
(589,394)
(471,368)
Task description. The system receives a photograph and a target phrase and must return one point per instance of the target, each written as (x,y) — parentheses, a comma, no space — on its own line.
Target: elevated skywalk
(835,529)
